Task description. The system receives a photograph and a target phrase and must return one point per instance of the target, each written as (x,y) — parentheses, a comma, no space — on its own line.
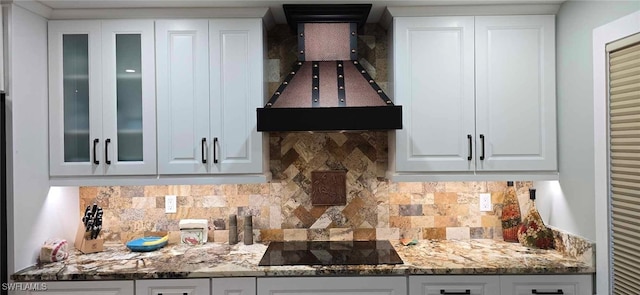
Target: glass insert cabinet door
(74,97)
(102,108)
(128,100)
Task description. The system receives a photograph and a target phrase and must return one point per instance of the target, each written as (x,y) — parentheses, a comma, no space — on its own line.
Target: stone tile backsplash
(282,210)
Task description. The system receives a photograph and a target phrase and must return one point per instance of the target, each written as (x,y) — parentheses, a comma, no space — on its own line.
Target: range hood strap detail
(373,83)
(296,67)
(353,40)
(301,42)
(315,84)
(341,97)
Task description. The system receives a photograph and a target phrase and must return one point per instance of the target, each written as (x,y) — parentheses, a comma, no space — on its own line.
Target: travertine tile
(179,190)
(422,221)
(411,233)
(387,233)
(434,233)
(237,200)
(221,236)
(364,234)
(400,221)
(214,201)
(410,187)
(318,234)
(481,232)
(400,199)
(458,233)
(410,210)
(445,198)
(461,186)
(446,221)
(202,190)
(156,190)
(340,234)
(131,191)
(433,187)
(489,221)
(424,199)
(383,215)
(272,234)
(295,234)
(253,189)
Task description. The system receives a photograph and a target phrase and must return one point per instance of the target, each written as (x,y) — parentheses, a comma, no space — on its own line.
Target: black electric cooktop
(330,253)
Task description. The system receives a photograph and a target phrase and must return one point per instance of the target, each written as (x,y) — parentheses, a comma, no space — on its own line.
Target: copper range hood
(327,89)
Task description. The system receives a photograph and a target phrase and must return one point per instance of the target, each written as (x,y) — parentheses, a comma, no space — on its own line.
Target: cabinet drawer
(563,284)
(439,285)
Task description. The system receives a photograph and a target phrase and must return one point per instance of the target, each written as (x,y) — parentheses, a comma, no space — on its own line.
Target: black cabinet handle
(203,147)
(534,291)
(95,157)
(482,143)
(215,154)
(455,293)
(106,151)
(469,157)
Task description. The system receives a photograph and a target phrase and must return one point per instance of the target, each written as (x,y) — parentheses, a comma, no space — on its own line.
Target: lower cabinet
(449,285)
(359,285)
(73,288)
(333,285)
(173,287)
(233,286)
(546,284)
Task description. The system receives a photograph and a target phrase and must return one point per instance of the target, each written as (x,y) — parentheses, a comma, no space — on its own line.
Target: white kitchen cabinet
(515,93)
(182,60)
(333,285)
(75,288)
(233,286)
(546,284)
(434,83)
(467,284)
(210,82)
(102,98)
(478,96)
(173,287)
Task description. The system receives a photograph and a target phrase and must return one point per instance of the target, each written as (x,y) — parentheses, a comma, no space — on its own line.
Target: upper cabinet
(210,77)
(516,93)
(110,82)
(479,95)
(102,98)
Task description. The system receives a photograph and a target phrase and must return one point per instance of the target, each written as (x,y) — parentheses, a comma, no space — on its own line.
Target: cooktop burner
(330,253)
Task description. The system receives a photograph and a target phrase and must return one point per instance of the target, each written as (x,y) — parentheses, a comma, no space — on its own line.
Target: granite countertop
(116,262)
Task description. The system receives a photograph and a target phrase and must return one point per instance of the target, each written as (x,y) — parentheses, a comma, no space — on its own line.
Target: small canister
(193,231)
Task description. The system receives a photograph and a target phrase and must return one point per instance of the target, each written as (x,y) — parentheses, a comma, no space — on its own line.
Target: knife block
(87,246)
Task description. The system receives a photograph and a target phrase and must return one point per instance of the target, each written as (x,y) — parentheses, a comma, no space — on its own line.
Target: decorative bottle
(248,230)
(533,233)
(511,216)
(233,229)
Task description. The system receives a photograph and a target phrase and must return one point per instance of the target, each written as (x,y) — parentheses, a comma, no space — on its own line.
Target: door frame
(618,29)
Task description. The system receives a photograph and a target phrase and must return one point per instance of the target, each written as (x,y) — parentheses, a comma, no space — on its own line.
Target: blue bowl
(146,244)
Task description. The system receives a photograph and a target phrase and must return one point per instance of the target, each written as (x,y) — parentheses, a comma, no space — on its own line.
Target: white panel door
(547,284)
(434,81)
(80,288)
(333,285)
(515,93)
(129,96)
(438,285)
(75,98)
(182,60)
(173,287)
(233,286)
(236,47)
